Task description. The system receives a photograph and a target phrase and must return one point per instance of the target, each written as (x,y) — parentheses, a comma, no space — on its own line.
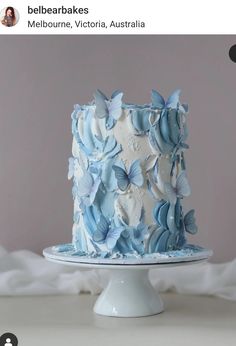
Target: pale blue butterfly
(159,101)
(107,234)
(109,109)
(71,168)
(182,188)
(76,217)
(190,222)
(139,232)
(87,187)
(75,113)
(134,176)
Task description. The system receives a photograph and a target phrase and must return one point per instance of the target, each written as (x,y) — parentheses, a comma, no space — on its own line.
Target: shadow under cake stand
(129,292)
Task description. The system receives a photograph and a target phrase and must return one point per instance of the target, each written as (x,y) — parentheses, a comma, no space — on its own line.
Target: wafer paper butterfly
(87,187)
(134,176)
(71,168)
(159,101)
(190,222)
(182,188)
(105,233)
(109,109)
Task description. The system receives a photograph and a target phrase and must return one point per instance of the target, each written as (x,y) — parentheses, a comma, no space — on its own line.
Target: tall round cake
(129,177)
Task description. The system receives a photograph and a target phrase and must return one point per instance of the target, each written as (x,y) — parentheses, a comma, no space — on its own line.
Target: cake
(129,177)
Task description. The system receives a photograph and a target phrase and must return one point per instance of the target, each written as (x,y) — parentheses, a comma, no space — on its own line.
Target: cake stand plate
(129,292)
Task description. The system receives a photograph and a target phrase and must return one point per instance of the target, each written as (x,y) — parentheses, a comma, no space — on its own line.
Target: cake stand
(129,292)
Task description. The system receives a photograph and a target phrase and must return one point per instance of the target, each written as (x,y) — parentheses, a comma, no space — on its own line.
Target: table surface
(69,320)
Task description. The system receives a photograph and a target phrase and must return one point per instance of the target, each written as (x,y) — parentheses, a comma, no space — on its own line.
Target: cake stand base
(129,292)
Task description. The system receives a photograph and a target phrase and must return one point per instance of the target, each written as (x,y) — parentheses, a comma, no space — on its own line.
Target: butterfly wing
(140,232)
(150,162)
(140,121)
(122,177)
(157,100)
(71,168)
(98,237)
(115,93)
(153,118)
(173,99)
(135,175)
(101,104)
(170,218)
(163,241)
(85,184)
(75,113)
(173,126)
(114,106)
(157,209)
(101,94)
(112,236)
(164,127)
(162,215)
(182,185)
(190,222)
(100,234)
(110,122)
(158,239)
(94,189)
(76,217)
(185,107)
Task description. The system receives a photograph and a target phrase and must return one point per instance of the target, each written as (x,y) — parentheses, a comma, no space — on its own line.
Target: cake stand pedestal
(129,292)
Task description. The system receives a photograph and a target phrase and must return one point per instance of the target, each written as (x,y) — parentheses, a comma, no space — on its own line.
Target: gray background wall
(43,77)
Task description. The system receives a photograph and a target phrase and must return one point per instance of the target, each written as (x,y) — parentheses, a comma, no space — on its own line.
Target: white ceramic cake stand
(129,292)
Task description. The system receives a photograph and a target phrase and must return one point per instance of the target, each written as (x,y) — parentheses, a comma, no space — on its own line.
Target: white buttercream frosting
(127,167)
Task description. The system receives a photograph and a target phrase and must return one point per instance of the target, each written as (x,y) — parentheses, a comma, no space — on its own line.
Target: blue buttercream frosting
(127,197)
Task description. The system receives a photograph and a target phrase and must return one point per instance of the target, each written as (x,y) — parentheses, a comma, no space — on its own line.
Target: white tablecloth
(26,273)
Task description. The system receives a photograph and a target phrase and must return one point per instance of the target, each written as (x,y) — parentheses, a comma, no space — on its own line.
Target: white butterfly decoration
(153,188)
(87,187)
(71,169)
(77,166)
(151,167)
(182,188)
(150,162)
(110,109)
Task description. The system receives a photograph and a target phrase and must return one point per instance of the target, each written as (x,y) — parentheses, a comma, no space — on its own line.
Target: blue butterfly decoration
(71,168)
(76,110)
(137,237)
(182,188)
(159,102)
(87,187)
(107,234)
(190,222)
(76,217)
(134,176)
(109,109)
